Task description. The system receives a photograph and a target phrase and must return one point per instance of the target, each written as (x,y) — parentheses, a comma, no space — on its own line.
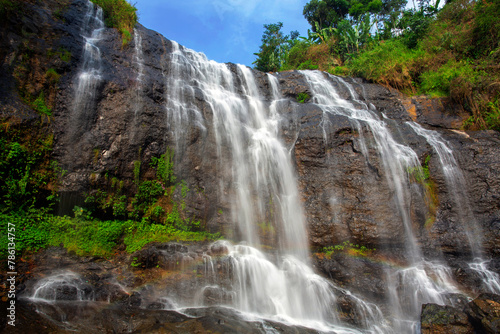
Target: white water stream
(139,64)
(422,281)
(258,172)
(90,72)
(457,186)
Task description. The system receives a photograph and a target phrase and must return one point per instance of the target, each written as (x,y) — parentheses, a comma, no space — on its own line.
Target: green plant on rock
(119,14)
(137,171)
(164,167)
(302,97)
(347,247)
(492,115)
(41,106)
(52,75)
(62,53)
(28,175)
(421,174)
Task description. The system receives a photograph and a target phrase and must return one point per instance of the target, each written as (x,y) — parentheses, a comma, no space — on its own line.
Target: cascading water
(90,72)
(257,169)
(456,184)
(64,286)
(413,286)
(139,64)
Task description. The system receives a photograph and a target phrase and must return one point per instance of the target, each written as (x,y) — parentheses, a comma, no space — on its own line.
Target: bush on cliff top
(119,14)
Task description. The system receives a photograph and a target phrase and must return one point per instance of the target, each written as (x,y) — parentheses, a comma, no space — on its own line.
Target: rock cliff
(342,179)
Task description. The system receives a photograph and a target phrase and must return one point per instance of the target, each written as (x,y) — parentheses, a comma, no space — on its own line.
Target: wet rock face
(481,315)
(444,319)
(485,313)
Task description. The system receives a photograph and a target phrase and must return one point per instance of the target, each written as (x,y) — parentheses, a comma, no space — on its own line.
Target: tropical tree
(275,47)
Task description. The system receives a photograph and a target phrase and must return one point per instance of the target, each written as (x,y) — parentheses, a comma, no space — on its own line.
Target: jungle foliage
(450,51)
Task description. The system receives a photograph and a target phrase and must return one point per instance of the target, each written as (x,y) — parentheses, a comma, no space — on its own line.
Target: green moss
(137,171)
(61,53)
(421,174)
(52,75)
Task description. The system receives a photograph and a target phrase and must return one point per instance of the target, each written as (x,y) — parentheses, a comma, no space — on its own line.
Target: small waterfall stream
(139,64)
(457,186)
(90,73)
(63,286)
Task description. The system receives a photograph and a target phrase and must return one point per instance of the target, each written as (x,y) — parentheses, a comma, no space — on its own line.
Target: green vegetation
(153,213)
(119,14)
(52,75)
(449,52)
(302,97)
(274,48)
(346,247)
(422,175)
(28,177)
(62,53)
(28,191)
(36,229)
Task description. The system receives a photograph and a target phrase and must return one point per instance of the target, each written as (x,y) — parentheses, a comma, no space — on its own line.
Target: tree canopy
(274,48)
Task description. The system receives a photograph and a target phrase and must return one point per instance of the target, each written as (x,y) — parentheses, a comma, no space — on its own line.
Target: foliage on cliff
(453,51)
(119,14)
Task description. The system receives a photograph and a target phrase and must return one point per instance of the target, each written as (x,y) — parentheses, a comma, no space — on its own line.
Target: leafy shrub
(119,14)
(27,174)
(31,230)
(487,27)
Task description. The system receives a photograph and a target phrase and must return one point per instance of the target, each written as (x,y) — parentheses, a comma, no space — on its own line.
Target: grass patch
(390,63)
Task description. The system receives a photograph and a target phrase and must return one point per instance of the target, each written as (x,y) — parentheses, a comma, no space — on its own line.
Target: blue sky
(224,30)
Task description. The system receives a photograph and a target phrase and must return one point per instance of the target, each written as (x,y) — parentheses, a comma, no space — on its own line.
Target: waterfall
(139,64)
(63,286)
(223,102)
(245,128)
(457,186)
(396,158)
(422,281)
(90,73)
